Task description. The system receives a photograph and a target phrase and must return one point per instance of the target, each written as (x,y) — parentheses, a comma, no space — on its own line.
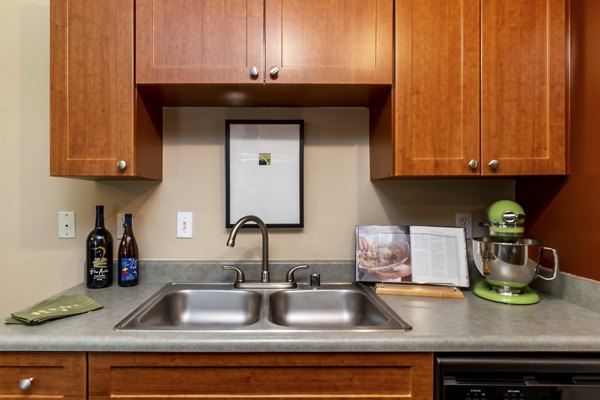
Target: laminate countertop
(448,325)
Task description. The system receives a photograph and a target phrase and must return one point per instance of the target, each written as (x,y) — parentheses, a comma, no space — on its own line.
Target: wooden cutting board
(450,292)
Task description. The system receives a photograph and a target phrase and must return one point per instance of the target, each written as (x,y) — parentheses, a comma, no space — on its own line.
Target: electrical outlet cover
(465,220)
(66,224)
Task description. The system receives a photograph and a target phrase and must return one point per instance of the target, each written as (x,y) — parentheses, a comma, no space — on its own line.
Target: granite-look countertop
(469,324)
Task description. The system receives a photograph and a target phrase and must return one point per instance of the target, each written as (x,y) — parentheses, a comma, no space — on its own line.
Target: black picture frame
(264,172)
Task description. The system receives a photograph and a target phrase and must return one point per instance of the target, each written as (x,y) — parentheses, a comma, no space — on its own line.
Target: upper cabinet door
(91,87)
(437,87)
(199,41)
(523,116)
(329,41)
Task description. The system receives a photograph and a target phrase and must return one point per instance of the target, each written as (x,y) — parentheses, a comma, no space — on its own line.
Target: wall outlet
(66,224)
(184,224)
(465,220)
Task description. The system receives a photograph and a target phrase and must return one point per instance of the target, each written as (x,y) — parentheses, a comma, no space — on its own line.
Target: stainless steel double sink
(220,307)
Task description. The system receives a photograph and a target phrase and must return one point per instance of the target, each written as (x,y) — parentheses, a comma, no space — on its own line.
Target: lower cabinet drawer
(51,375)
(252,376)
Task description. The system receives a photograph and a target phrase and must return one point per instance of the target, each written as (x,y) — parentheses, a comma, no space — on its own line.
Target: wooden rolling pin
(449,292)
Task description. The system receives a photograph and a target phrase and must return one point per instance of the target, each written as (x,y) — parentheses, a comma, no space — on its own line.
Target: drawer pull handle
(25,384)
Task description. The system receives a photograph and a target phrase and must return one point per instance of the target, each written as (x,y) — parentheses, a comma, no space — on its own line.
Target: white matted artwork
(264,171)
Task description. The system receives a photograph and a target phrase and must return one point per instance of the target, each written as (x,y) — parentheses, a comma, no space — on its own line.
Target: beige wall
(35,264)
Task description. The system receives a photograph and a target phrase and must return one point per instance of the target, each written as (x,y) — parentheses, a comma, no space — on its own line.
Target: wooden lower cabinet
(255,376)
(54,375)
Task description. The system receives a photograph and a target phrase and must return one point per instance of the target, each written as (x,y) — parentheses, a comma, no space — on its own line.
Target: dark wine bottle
(99,254)
(128,256)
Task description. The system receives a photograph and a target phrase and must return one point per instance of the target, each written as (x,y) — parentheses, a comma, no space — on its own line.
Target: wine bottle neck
(99,216)
(128,221)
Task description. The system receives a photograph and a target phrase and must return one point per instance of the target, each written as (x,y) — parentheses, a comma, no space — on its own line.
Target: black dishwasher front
(517,376)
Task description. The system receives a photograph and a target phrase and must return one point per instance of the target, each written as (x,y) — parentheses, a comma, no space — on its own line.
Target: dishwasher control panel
(476,392)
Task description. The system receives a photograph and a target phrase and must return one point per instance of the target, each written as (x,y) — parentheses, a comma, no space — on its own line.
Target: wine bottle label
(99,268)
(100,260)
(129,269)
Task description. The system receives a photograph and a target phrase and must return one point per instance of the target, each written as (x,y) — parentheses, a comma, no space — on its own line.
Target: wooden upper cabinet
(524,88)
(199,41)
(477,82)
(329,41)
(307,41)
(98,121)
(437,87)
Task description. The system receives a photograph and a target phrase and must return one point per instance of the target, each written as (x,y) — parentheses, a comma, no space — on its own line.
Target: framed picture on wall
(264,163)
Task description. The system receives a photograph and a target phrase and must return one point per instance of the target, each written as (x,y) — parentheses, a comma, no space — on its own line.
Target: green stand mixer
(507,261)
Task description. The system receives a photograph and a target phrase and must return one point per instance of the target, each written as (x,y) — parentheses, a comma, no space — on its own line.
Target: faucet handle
(290,275)
(240,274)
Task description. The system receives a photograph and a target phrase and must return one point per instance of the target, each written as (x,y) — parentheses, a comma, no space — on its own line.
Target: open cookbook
(416,254)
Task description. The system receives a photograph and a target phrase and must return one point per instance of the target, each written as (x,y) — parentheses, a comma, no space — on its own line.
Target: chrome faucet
(264,275)
(265,281)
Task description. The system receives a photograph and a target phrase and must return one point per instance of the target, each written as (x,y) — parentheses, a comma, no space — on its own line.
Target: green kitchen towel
(60,307)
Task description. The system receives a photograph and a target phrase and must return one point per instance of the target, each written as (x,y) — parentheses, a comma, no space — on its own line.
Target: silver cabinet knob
(121,165)
(25,384)
(254,72)
(274,71)
(473,164)
(493,164)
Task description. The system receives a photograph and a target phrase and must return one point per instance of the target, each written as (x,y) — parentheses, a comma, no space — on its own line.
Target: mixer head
(506,218)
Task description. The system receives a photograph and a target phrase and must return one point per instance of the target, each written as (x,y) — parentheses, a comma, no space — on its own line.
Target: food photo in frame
(264,163)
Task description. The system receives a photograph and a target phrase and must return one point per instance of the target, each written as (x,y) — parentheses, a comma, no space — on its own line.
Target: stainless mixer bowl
(512,263)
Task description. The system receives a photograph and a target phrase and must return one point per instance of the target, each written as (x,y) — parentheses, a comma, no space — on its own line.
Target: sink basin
(324,309)
(195,307)
(220,307)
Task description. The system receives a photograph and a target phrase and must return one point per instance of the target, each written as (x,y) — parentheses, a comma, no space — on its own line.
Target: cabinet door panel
(437,87)
(252,376)
(329,41)
(524,86)
(91,89)
(199,41)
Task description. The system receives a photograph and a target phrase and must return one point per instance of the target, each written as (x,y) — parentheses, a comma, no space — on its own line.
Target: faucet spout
(264,276)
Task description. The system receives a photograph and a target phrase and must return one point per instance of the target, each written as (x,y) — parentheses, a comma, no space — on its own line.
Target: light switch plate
(66,224)
(184,224)
(120,222)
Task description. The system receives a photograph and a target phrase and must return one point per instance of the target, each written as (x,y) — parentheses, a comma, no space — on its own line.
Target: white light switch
(66,224)
(184,224)
(120,222)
